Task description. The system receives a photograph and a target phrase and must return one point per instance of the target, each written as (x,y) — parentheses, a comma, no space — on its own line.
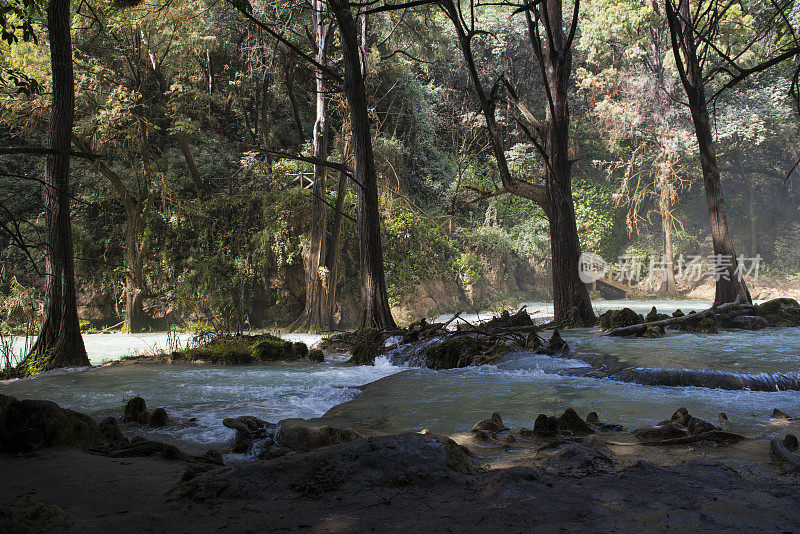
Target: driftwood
(718,436)
(636,329)
(780,449)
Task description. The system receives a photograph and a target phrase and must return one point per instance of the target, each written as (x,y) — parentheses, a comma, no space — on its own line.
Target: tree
(705,55)
(552,48)
(59,343)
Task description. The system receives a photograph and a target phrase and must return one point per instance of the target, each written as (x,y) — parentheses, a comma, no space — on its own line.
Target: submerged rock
(545,425)
(30,425)
(316,356)
(398,460)
(556,346)
(780,415)
(693,424)
(654,332)
(660,432)
(158,418)
(300,437)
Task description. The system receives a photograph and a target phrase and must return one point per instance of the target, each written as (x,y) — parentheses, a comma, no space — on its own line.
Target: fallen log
(780,449)
(718,436)
(637,329)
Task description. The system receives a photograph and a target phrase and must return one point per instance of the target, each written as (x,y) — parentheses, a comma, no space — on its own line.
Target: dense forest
(225,154)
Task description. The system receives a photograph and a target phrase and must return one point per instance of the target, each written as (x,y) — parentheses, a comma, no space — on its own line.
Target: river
(390,397)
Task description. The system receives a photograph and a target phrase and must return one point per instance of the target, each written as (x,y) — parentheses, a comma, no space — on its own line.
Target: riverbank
(507,487)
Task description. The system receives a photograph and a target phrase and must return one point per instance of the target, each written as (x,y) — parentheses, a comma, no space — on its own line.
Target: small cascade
(410,354)
(711,379)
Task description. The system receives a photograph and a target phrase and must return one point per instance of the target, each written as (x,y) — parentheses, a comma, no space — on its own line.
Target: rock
(493,424)
(660,432)
(506,320)
(749,322)
(300,349)
(653,315)
(316,355)
(691,423)
(464,351)
(545,425)
(556,346)
(269,348)
(653,332)
(579,459)
(780,415)
(366,345)
(780,312)
(109,428)
(136,411)
(705,324)
(392,461)
(722,419)
(570,421)
(30,425)
(299,437)
(619,318)
(158,418)
(790,442)
(678,313)
(271,452)
(248,429)
(592,418)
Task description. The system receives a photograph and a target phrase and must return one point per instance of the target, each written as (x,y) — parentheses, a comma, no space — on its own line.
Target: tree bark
(729,285)
(668,285)
(374,299)
(183,143)
(59,343)
(571,302)
(313,317)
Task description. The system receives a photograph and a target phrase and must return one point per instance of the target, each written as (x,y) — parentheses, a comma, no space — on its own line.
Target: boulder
(780,312)
(653,315)
(158,418)
(110,430)
(492,425)
(136,411)
(653,332)
(678,313)
(660,432)
(248,429)
(619,318)
(691,423)
(556,346)
(464,351)
(749,322)
(30,425)
(316,355)
(570,421)
(299,437)
(394,461)
(780,415)
(545,425)
(579,459)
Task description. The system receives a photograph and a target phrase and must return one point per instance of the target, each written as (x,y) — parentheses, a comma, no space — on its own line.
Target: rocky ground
(566,473)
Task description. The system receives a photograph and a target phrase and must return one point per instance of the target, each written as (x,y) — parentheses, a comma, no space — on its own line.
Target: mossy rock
(653,315)
(619,318)
(707,324)
(463,351)
(780,312)
(269,348)
(678,313)
(237,350)
(366,345)
(316,355)
(653,332)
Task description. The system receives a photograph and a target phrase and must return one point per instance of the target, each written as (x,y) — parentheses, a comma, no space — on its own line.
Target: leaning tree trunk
(571,302)
(374,299)
(60,343)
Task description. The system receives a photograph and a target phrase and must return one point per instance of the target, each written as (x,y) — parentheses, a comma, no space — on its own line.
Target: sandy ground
(685,489)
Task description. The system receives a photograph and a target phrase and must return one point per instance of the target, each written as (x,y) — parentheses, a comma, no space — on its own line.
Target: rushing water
(398,398)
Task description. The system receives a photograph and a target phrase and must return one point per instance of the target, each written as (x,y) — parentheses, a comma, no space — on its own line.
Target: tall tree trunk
(374,299)
(729,285)
(183,143)
(571,302)
(668,285)
(133,315)
(333,255)
(59,343)
(316,270)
